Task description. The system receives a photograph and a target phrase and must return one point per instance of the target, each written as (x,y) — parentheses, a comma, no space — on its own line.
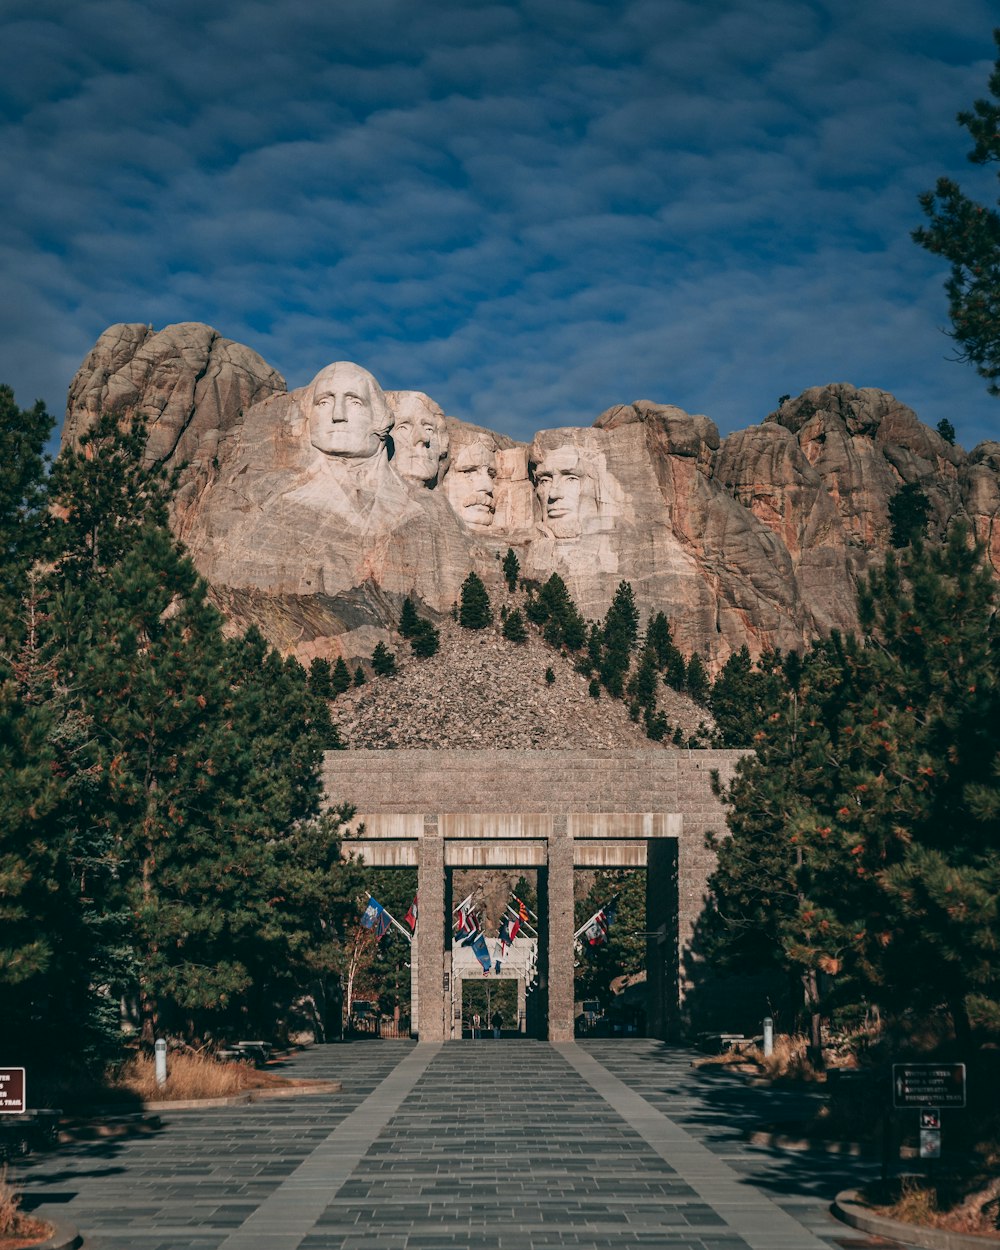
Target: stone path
(507,1145)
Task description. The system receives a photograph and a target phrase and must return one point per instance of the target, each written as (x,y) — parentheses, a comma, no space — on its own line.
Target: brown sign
(928,1084)
(12,1091)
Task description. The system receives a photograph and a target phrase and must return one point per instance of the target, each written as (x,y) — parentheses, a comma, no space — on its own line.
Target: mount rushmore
(314,512)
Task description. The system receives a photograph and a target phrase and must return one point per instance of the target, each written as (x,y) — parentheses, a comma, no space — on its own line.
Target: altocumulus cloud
(531,210)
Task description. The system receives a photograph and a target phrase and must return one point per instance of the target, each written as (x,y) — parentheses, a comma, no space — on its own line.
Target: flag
(596,931)
(467,921)
(481,951)
(505,936)
(375,917)
(496,967)
(522,911)
(515,929)
(411,915)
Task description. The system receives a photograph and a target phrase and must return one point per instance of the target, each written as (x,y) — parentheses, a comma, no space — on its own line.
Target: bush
(594,689)
(549,676)
(359,676)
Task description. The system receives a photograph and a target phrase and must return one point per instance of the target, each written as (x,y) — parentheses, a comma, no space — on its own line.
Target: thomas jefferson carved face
(348,415)
(469,485)
(420,440)
(566,487)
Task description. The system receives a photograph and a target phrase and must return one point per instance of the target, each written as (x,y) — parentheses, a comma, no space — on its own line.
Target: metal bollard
(768,1036)
(160,1049)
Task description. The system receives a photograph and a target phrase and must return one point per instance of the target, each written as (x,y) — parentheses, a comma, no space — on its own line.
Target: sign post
(13,1097)
(928,1087)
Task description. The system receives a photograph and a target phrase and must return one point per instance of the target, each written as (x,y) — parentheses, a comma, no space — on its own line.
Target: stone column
(522,999)
(560,934)
(662,988)
(434,1001)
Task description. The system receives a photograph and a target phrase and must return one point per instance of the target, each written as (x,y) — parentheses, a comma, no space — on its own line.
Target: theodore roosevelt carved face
(469,485)
(420,439)
(348,414)
(566,488)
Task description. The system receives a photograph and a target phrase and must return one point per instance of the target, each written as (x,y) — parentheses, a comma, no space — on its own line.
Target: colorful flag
(522,911)
(596,931)
(411,915)
(515,929)
(375,917)
(505,936)
(481,951)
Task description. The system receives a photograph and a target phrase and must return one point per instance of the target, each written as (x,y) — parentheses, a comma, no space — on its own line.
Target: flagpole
(391,917)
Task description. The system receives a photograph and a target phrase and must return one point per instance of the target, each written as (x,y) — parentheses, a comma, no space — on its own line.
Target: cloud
(530,209)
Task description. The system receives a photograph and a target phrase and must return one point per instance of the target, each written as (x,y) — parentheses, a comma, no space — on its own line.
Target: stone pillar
(560,934)
(522,1000)
(662,987)
(434,1001)
(415,983)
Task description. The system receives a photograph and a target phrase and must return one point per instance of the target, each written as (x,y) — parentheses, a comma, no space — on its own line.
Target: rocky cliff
(314,512)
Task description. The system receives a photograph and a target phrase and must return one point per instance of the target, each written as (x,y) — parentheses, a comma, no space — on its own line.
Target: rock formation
(314,512)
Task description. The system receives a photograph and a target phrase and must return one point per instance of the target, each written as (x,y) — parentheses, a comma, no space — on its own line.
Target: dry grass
(16,1228)
(972,1206)
(191,1076)
(788,1061)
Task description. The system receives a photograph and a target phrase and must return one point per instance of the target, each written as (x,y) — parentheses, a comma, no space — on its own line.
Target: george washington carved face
(348,414)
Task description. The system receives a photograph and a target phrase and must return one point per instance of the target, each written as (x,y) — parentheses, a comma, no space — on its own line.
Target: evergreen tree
(909,509)
(623,616)
(549,676)
(696,679)
(321,678)
(511,568)
(968,236)
(23,516)
(642,686)
(660,639)
(594,689)
(341,677)
(535,610)
(474,612)
(359,675)
(383,661)
(425,639)
(408,618)
(513,627)
(742,695)
(947,431)
(676,673)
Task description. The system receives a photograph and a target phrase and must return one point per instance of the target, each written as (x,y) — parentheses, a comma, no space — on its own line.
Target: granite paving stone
(492,1145)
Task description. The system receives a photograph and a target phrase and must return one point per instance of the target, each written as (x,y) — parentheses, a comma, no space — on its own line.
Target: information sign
(928,1085)
(930,1143)
(12,1091)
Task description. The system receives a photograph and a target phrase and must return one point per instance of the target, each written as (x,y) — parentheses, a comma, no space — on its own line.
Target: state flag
(411,915)
(481,951)
(375,917)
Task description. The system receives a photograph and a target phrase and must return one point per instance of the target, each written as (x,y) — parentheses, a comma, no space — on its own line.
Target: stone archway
(555,811)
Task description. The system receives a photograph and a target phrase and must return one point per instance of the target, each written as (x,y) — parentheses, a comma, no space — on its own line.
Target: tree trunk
(810,989)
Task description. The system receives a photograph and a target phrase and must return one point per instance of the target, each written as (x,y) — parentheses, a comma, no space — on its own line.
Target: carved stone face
(567,491)
(469,485)
(420,438)
(348,415)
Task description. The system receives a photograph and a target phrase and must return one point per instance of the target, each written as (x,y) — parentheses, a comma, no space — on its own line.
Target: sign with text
(12,1091)
(928,1084)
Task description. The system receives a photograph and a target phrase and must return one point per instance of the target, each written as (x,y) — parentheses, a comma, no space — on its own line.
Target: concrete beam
(382,854)
(521,854)
(614,854)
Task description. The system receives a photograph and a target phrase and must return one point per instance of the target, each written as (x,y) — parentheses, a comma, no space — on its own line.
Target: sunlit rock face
(312,513)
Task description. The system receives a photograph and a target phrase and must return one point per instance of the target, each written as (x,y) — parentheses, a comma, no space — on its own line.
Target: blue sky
(531,210)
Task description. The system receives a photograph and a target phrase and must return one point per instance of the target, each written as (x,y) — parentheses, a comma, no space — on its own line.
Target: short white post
(160,1050)
(768,1036)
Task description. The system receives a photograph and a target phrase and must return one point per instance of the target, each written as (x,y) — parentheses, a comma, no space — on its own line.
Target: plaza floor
(496,1145)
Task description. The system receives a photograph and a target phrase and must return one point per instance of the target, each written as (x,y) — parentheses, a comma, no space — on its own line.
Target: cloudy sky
(530,209)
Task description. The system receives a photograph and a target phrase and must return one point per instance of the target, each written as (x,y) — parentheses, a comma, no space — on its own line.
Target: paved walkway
(507,1145)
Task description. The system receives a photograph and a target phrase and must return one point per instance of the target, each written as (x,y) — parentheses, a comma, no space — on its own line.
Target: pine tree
(513,627)
(696,679)
(359,675)
(947,431)
(425,639)
(660,639)
(408,618)
(742,695)
(474,612)
(909,509)
(341,677)
(642,686)
(383,661)
(511,569)
(968,236)
(321,678)
(623,616)
(23,516)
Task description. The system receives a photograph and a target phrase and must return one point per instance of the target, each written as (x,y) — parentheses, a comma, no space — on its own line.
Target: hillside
(481,691)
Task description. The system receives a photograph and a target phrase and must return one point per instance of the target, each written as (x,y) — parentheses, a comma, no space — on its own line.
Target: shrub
(383,661)
(513,627)
(549,676)
(425,639)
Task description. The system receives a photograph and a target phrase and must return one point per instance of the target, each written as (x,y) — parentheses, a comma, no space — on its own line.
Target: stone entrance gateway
(549,810)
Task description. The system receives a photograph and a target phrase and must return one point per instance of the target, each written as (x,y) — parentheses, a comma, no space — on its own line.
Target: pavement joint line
(761,1223)
(289,1214)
